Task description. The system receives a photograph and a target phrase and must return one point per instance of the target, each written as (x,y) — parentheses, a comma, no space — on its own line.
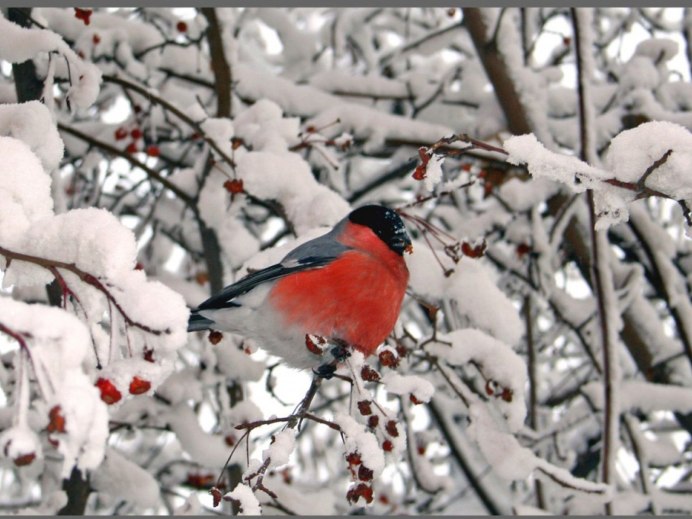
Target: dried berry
(387,446)
(364,473)
(181,26)
(215,337)
(353,458)
(368,374)
(364,407)
(148,354)
(373,421)
(389,359)
(391,429)
(216,494)
(24,459)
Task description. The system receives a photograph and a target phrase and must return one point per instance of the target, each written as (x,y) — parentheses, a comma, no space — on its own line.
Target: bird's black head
(386,224)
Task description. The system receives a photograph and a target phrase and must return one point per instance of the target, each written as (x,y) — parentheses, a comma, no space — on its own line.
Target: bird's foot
(339,352)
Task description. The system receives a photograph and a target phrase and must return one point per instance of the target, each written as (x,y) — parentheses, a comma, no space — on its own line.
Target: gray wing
(313,254)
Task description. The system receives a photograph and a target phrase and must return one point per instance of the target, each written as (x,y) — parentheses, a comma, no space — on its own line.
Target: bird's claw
(339,353)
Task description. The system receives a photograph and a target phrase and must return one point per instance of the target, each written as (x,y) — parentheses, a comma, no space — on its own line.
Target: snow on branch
(650,160)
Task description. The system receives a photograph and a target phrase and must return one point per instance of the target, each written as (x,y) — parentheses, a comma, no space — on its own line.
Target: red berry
(96,39)
(373,421)
(230,440)
(313,343)
(153,150)
(388,446)
(57,420)
(181,26)
(131,148)
(136,133)
(83,14)
(139,386)
(506,394)
(419,173)
(234,186)
(120,134)
(473,252)
(236,142)
(414,400)
(489,388)
(109,393)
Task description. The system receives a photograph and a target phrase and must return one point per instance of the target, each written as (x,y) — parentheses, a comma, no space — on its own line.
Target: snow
(362,442)
(282,445)
(32,123)
(18,44)
(118,478)
(644,396)
(287,178)
(405,385)
(208,450)
(324,109)
(497,362)
(629,156)
(248,503)
(24,190)
(542,163)
(473,289)
(433,171)
(59,346)
(633,151)
(18,441)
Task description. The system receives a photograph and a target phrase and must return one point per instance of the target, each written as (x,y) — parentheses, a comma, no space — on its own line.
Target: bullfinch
(338,291)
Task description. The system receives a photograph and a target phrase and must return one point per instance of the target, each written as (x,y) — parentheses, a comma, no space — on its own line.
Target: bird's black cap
(386,224)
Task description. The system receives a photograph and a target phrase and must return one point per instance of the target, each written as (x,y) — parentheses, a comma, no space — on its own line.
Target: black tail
(198,323)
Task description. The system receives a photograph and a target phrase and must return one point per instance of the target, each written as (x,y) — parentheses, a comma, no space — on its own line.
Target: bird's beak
(409,248)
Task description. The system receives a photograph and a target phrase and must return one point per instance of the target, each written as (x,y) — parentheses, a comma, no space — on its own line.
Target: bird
(335,293)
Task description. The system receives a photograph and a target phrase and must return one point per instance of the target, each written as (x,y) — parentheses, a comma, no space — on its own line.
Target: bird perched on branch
(338,291)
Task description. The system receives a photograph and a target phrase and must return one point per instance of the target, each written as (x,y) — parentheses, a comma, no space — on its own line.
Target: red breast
(356,298)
